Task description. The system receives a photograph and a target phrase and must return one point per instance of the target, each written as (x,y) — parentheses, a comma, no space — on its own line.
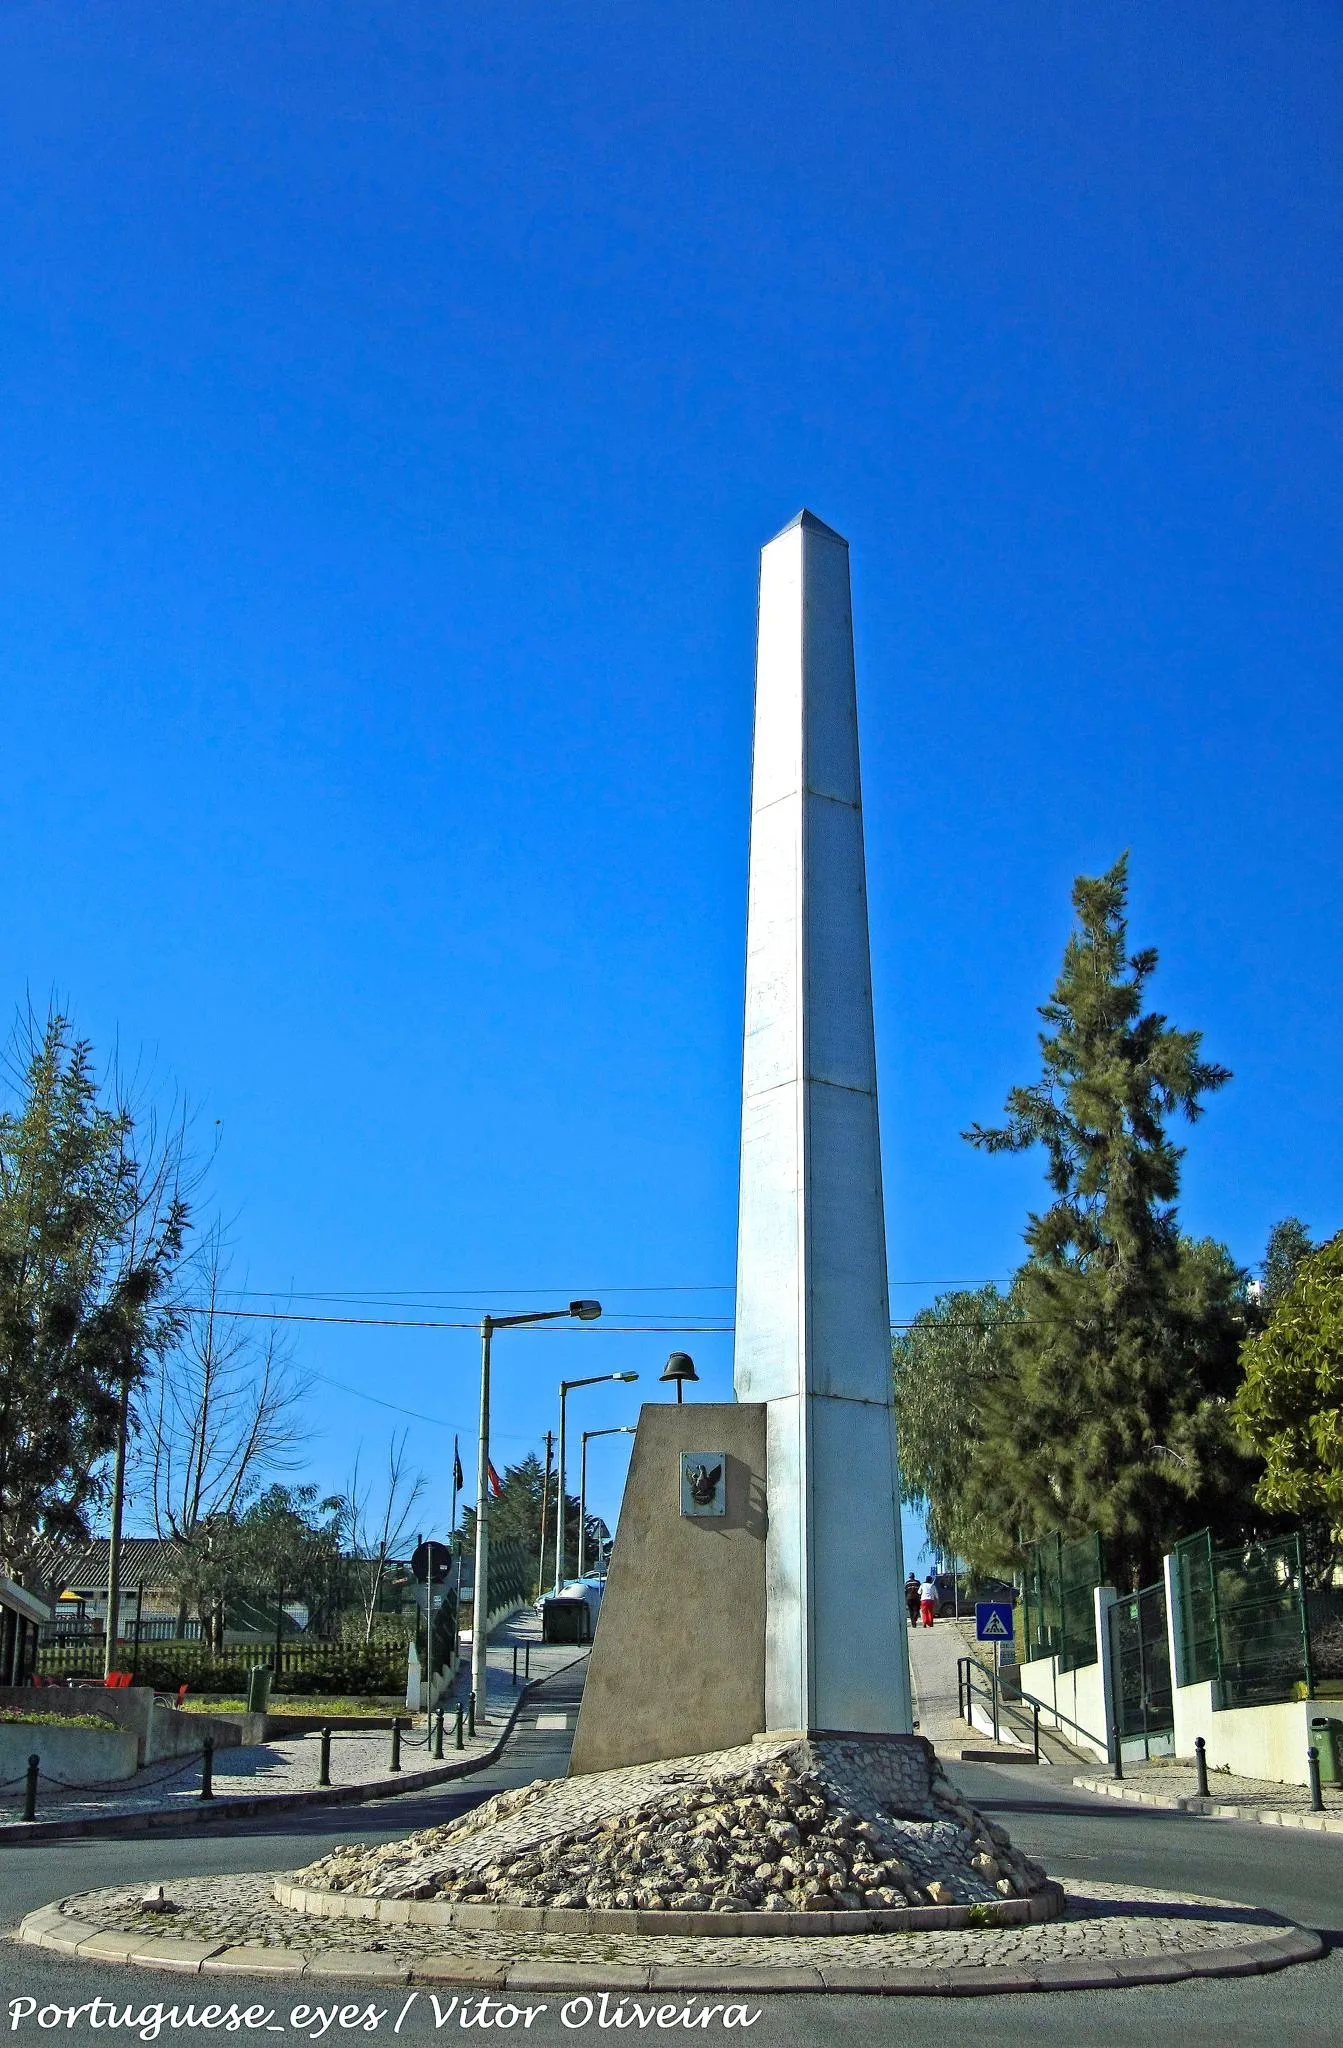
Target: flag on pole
(457,1478)
(496,1486)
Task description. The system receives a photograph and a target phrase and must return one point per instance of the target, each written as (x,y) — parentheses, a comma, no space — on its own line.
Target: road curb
(206,1812)
(66,1934)
(1211,1809)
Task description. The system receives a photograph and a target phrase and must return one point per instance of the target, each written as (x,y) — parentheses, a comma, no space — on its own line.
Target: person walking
(912,1599)
(928,1600)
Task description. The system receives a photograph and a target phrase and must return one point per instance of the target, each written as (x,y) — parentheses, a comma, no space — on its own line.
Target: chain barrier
(107,1784)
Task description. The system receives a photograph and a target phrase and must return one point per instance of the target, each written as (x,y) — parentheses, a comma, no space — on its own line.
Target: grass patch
(9,1718)
(378,1707)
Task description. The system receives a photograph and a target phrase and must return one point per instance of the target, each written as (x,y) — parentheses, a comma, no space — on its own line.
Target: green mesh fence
(1200,1651)
(1244,1623)
(1058,1604)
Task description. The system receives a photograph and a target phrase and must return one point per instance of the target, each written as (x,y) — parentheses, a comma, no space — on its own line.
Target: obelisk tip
(812,524)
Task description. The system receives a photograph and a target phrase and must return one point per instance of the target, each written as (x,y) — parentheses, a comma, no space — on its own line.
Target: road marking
(552,1720)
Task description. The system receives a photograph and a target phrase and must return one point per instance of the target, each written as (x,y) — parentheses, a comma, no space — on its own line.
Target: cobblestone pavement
(291,1764)
(1177,1780)
(1102,1922)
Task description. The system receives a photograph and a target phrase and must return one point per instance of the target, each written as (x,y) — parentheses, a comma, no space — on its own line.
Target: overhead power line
(268,1315)
(432,1297)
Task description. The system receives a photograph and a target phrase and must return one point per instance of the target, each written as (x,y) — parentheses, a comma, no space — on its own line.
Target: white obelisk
(813,1320)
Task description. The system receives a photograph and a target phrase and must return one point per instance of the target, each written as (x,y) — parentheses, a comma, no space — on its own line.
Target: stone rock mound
(825,1825)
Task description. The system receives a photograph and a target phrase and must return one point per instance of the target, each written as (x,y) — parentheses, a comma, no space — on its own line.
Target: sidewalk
(1171,1786)
(289,1766)
(933,1656)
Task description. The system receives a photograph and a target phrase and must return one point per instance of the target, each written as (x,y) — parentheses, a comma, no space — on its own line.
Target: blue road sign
(993,1621)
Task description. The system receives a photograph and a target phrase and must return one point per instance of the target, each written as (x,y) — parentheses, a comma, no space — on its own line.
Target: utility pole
(480,1595)
(545,1504)
(114,1541)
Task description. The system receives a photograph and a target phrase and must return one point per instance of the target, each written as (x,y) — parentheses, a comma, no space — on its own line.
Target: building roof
(20,1601)
(82,1567)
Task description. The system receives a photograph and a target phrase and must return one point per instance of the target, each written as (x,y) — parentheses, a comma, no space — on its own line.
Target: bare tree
(159,1174)
(223,1414)
(377,1517)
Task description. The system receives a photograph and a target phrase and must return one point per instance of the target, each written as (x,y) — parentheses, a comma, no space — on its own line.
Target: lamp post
(594,1379)
(586,1312)
(624,1429)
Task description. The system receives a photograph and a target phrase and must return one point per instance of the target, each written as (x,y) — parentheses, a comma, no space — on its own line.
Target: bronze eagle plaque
(703,1483)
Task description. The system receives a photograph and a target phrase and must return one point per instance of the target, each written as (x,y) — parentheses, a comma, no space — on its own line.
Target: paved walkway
(290,1764)
(1172,1785)
(933,1656)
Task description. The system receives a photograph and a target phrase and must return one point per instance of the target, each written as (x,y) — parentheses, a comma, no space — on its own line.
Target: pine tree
(1116,1417)
(1289,1243)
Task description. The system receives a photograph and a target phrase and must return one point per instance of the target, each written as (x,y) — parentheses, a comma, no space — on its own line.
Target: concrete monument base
(678,1664)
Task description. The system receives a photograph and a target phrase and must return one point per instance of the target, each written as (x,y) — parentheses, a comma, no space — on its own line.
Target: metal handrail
(965,1693)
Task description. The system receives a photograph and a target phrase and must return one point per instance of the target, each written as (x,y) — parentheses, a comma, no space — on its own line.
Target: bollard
(396,1742)
(30,1789)
(459,1734)
(515,1663)
(324,1769)
(1119,1755)
(1035,1718)
(438,1738)
(1313,1773)
(1201,1766)
(471,1715)
(208,1768)
(527,1665)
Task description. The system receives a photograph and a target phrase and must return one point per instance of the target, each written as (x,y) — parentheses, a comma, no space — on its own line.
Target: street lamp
(585,1312)
(595,1379)
(623,1429)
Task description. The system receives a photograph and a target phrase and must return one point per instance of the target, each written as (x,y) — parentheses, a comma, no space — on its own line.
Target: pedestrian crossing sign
(993,1621)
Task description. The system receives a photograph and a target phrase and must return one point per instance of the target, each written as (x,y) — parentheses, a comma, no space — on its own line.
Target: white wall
(1080,1694)
(1251,1742)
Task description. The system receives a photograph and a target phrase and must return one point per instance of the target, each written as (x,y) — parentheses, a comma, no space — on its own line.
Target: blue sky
(396,398)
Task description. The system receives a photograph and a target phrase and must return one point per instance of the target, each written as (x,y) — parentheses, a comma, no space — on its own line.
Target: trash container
(258,1688)
(1327,1738)
(566,1621)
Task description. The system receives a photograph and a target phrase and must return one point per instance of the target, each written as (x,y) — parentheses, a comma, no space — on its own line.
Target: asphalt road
(1300,1876)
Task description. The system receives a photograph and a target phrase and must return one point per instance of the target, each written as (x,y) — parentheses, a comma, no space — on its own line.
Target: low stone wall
(76,1756)
(1047,1904)
(129,1706)
(175,1733)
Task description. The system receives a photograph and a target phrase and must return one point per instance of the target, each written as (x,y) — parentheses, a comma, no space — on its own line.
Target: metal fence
(153,1629)
(1324,1619)
(1143,1697)
(512,1573)
(305,1666)
(1244,1621)
(1058,1603)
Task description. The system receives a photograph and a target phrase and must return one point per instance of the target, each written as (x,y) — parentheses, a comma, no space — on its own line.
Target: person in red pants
(928,1601)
